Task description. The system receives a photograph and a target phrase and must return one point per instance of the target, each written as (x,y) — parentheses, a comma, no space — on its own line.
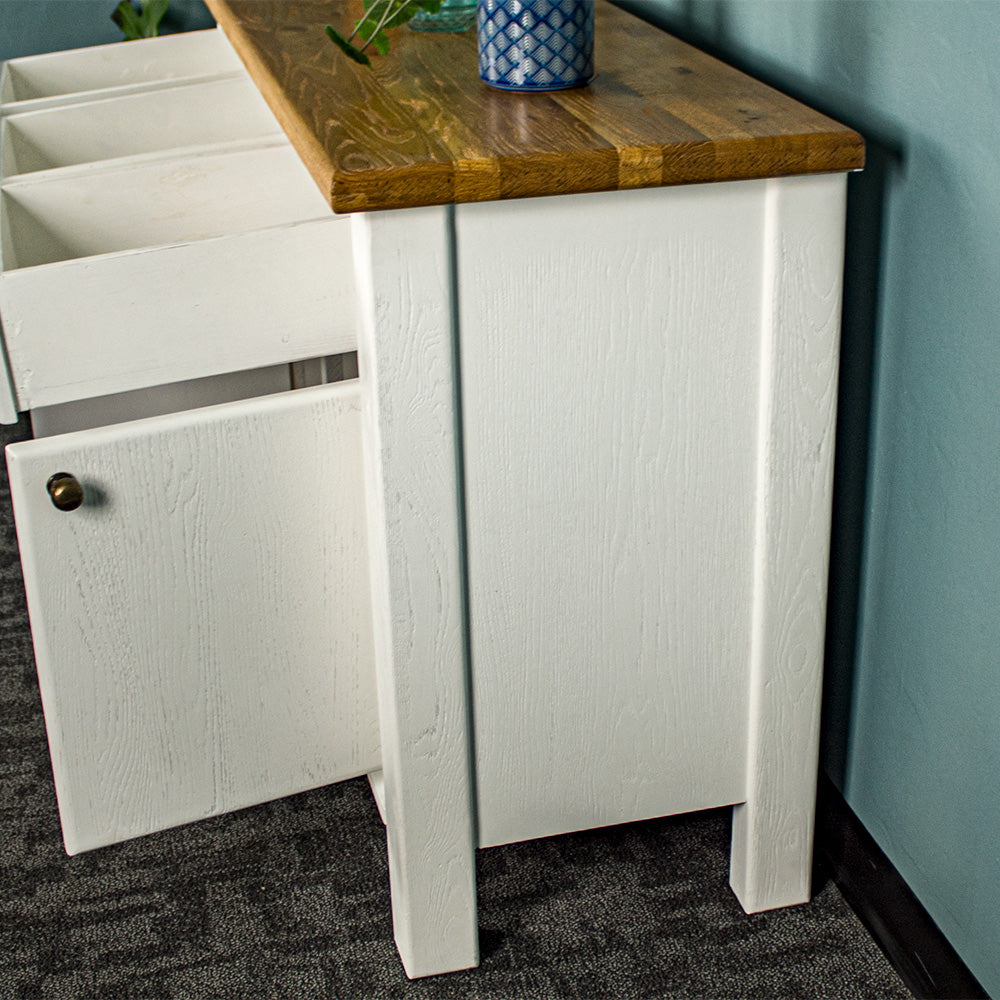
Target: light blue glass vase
(536,44)
(454,15)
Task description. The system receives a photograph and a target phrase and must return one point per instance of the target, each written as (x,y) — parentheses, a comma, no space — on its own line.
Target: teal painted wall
(28,27)
(912,702)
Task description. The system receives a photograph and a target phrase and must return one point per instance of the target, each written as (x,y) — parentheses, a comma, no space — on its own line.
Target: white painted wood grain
(800,329)
(30,83)
(8,397)
(609,353)
(376,782)
(169,271)
(173,199)
(202,624)
(409,392)
(195,114)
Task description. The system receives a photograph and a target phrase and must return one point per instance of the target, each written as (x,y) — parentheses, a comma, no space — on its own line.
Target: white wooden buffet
(555,560)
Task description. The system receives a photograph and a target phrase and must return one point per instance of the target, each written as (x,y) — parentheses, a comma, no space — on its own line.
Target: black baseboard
(902,928)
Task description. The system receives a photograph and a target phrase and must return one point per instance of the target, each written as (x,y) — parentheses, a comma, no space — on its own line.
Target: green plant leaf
(381,42)
(366,28)
(141,23)
(380,16)
(406,11)
(409,8)
(386,14)
(345,46)
(127,18)
(153,11)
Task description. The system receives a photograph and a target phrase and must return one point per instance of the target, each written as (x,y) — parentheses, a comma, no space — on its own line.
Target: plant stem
(389,12)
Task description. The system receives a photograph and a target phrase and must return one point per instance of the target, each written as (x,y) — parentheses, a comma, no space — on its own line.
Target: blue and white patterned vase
(536,44)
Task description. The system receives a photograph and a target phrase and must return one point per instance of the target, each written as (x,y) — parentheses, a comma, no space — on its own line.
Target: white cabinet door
(202,623)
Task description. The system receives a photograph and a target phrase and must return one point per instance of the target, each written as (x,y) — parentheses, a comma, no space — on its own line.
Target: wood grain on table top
(420,128)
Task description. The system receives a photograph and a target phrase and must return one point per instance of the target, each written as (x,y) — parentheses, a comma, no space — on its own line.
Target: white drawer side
(30,83)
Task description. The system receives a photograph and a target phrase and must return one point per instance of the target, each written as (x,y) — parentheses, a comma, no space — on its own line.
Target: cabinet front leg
(407,367)
(800,327)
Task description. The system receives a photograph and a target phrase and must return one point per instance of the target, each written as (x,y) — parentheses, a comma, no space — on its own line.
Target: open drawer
(195,114)
(202,622)
(33,82)
(170,270)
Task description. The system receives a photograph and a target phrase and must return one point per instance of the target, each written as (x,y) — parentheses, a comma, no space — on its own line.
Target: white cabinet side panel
(405,357)
(202,624)
(804,248)
(609,355)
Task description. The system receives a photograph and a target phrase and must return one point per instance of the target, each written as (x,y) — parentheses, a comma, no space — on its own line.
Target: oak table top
(420,128)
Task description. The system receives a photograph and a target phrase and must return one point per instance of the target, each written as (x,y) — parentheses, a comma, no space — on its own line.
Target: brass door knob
(65,491)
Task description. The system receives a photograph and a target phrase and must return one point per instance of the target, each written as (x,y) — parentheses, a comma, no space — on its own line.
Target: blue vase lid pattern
(536,44)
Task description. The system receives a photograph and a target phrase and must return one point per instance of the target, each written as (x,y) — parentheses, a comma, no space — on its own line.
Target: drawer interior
(145,62)
(164,202)
(193,114)
(174,397)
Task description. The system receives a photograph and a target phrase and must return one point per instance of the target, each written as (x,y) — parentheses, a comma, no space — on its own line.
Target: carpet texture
(290,899)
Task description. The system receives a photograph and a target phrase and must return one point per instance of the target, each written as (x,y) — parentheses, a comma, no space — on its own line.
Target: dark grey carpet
(290,899)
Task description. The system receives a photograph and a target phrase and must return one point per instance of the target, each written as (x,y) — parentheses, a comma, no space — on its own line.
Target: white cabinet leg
(406,358)
(803,246)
